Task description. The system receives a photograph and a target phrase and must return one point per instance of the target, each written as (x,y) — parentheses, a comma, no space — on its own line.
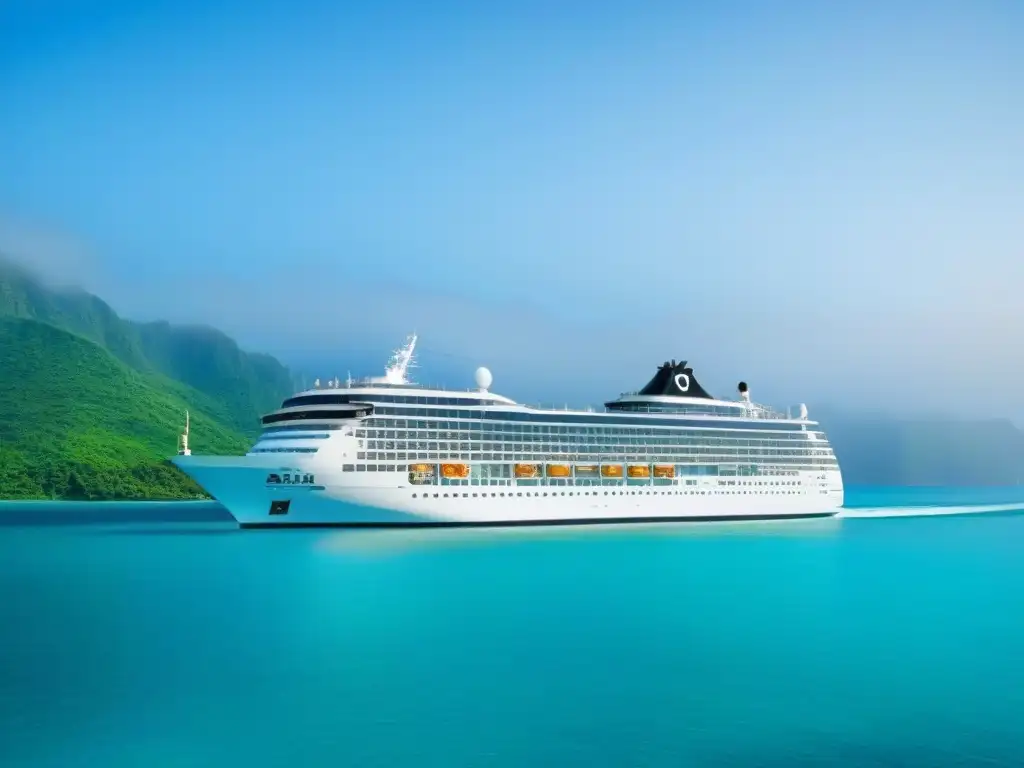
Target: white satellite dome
(483,378)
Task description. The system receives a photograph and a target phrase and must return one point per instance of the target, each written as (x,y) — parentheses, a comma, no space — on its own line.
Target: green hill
(75,422)
(245,384)
(91,405)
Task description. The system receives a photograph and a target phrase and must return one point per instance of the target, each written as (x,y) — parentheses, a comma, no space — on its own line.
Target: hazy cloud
(60,259)
(955,354)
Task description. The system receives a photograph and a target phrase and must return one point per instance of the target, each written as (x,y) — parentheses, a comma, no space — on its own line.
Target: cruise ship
(385,451)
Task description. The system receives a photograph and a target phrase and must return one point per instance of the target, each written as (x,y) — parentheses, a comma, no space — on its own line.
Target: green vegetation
(245,384)
(77,423)
(91,405)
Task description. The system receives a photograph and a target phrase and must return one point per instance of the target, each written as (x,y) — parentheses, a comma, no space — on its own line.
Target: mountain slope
(245,384)
(76,422)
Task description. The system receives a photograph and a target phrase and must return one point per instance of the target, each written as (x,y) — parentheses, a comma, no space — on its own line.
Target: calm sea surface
(153,635)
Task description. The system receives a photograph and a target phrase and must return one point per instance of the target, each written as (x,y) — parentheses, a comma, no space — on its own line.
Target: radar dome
(483,378)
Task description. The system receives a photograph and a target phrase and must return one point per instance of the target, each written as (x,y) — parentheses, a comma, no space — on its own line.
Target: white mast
(400,363)
(184,450)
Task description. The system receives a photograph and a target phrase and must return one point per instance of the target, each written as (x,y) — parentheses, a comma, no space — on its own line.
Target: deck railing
(750,410)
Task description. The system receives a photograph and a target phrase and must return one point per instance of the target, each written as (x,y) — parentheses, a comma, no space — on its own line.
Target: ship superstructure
(385,451)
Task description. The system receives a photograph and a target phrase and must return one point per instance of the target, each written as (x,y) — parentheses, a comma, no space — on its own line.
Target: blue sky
(826,201)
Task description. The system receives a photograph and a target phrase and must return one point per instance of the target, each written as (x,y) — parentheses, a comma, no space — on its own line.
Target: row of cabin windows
(719,455)
(575,432)
(662,438)
(526,449)
(570,482)
(631,427)
(769,474)
(554,444)
(770,471)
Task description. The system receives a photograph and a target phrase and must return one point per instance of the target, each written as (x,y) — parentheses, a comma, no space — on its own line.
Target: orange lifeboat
(664,470)
(421,474)
(455,471)
(611,470)
(559,470)
(638,470)
(526,470)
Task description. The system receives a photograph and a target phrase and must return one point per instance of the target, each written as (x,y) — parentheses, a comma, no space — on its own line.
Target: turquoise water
(871,640)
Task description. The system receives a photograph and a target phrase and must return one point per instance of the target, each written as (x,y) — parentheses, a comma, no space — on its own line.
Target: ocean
(159,635)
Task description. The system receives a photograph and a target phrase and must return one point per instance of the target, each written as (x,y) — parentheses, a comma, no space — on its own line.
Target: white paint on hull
(239,483)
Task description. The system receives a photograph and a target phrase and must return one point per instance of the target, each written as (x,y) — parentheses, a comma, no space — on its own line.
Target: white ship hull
(388,499)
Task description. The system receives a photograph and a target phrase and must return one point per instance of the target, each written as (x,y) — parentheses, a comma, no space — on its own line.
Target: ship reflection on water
(393,541)
(387,541)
